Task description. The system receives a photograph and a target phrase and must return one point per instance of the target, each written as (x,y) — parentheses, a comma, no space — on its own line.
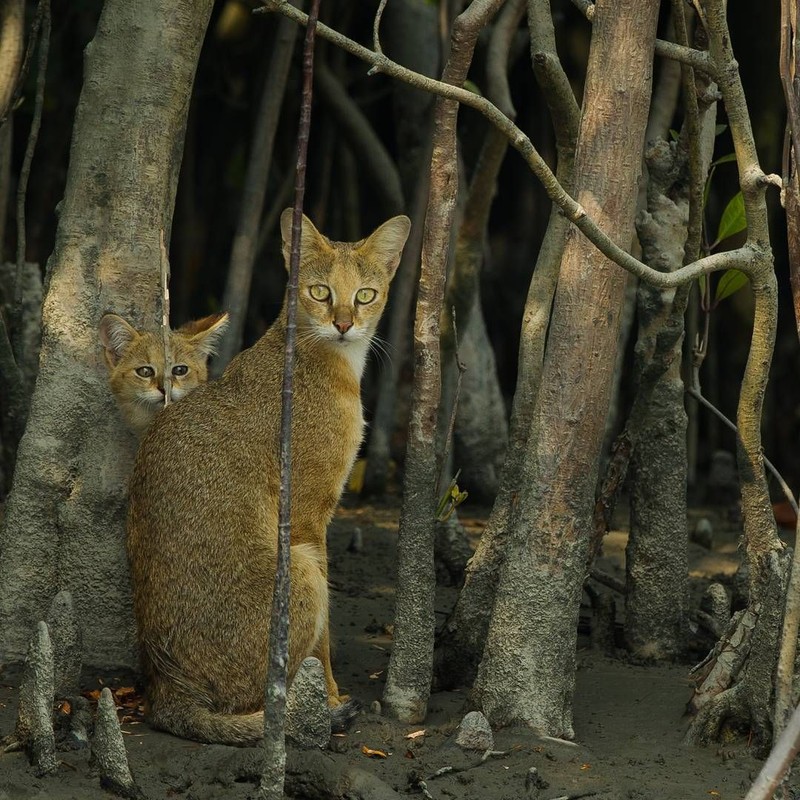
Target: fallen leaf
(415,734)
(714,793)
(64,707)
(93,694)
(410,754)
(586,766)
(368,751)
(376,675)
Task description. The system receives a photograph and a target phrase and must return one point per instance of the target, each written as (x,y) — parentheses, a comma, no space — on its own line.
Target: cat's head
(135,361)
(343,286)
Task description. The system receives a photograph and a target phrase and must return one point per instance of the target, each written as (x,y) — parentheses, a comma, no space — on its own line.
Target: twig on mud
(450,770)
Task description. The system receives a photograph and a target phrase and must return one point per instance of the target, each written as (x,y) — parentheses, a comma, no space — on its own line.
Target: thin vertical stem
(271,787)
(167,379)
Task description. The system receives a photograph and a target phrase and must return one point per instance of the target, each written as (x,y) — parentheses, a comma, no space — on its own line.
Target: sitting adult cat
(203,515)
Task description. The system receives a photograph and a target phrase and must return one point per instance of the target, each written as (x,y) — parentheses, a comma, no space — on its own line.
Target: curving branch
(744,258)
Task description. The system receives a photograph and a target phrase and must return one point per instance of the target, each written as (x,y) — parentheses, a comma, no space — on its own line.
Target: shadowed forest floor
(629,719)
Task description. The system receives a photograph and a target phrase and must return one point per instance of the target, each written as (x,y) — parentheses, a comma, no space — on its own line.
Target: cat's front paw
(342,715)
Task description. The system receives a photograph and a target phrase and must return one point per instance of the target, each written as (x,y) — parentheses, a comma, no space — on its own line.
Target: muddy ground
(629,719)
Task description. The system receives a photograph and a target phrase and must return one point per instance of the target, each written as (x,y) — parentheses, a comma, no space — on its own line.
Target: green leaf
(733,219)
(701,282)
(720,129)
(731,281)
(673,134)
(724,159)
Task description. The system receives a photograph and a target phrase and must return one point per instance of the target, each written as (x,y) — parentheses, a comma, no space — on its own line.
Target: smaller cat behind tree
(135,362)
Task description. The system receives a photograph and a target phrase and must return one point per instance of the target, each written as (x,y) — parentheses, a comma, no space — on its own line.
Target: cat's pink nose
(343,327)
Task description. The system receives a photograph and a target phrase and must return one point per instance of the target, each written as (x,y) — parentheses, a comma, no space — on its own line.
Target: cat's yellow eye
(179,370)
(319,292)
(365,296)
(145,372)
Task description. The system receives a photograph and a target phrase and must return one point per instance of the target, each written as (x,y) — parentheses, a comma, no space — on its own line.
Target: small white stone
(474,732)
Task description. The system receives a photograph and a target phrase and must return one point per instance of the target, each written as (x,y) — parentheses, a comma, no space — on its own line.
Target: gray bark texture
(460,643)
(411,664)
(108,750)
(527,673)
(657,552)
(64,519)
(34,729)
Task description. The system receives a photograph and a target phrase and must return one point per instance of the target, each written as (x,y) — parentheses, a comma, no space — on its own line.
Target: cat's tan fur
(141,396)
(202,523)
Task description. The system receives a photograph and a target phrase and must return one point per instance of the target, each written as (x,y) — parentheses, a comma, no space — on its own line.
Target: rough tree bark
(64,520)
(527,673)
(408,680)
(743,693)
(461,641)
(656,559)
(669,232)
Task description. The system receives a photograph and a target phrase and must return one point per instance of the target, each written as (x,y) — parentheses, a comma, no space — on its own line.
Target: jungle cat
(203,514)
(135,362)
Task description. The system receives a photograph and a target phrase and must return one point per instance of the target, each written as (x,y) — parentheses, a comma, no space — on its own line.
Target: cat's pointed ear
(311,240)
(115,334)
(385,246)
(205,333)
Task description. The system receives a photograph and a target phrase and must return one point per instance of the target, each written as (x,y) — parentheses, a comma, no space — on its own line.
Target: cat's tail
(199,723)
(203,725)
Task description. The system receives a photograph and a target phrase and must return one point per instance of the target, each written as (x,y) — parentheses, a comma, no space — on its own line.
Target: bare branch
(779,761)
(743,258)
(376,38)
(272,779)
